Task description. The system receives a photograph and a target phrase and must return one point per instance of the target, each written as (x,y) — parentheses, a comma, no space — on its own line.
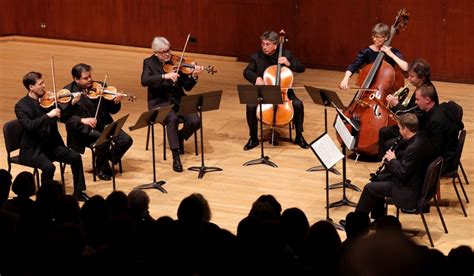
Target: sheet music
(344,133)
(327,151)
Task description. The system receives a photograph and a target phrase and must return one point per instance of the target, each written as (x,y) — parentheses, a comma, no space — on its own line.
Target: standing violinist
(83,127)
(260,61)
(165,88)
(380,33)
(41,142)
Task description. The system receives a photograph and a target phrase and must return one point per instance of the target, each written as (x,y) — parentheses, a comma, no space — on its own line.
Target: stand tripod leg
(154,185)
(321,168)
(347,184)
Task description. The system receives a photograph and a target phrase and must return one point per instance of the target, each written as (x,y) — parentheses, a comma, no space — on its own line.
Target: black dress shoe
(300,141)
(251,143)
(103,175)
(81,196)
(177,167)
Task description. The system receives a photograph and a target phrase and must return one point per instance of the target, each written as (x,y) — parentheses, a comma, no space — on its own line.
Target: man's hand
(54,113)
(389,155)
(92,122)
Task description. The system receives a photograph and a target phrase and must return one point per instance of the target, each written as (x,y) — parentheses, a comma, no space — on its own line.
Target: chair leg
(462,188)
(426,228)
(290,128)
(459,198)
(196,143)
(398,213)
(62,168)
(120,166)
(93,166)
(164,142)
(464,173)
(147,137)
(440,215)
(36,175)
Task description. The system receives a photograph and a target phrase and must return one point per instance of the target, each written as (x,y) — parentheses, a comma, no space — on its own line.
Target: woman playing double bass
(380,34)
(254,71)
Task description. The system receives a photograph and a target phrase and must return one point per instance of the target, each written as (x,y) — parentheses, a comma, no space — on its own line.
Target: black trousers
(372,199)
(44,162)
(298,116)
(122,143)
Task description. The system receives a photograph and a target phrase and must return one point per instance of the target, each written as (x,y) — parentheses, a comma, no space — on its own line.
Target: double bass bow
(385,79)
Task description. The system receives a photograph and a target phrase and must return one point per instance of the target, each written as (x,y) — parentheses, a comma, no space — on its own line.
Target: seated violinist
(167,87)
(267,56)
(83,128)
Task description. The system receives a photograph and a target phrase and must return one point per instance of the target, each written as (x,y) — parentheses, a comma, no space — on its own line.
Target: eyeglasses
(163,52)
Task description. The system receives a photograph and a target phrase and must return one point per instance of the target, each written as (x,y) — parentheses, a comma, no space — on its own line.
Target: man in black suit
(166,88)
(404,174)
(83,128)
(41,142)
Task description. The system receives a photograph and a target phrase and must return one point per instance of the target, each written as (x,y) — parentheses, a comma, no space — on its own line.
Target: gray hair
(159,44)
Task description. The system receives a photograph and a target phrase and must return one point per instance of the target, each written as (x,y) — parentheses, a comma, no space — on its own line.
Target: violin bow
(182,53)
(100,97)
(54,83)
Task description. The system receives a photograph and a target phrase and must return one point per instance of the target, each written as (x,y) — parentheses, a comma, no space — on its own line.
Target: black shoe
(251,143)
(177,167)
(81,196)
(181,143)
(426,209)
(300,141)
(103,175)
(107,169)
(342,222)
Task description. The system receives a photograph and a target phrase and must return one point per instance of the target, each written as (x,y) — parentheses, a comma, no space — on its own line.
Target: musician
(166,88)
(441,126)
(83,127)
(380,33)
(419,73)
(41,143)
(254,74)
(404,173)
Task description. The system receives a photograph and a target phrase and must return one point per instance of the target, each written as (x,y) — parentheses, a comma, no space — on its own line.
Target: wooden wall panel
(7,17)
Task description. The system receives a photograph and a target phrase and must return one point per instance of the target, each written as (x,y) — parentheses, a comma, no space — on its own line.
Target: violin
(109,93)
(64,96)
(186,66)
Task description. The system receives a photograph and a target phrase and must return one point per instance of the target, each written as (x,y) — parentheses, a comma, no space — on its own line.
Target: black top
(259,62)
(367,56)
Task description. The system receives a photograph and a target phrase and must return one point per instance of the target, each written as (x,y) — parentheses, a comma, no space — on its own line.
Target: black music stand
(260,94)
(321,97)
(111,131)
(328,154)
(198,103)
(149,119)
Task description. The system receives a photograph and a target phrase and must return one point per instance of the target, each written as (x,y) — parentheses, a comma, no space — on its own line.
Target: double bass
(383,78)
(278,115)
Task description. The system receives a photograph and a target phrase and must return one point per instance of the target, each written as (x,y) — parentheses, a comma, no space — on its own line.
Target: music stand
(111,131)
(260,94)
(328,154)
(149,119)
(199,103)
(322,97)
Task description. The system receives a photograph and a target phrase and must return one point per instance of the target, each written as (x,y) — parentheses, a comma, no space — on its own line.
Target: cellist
(254,72)
(380,33)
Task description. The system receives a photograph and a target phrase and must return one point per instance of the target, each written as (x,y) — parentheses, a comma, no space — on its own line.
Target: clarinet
(393,147)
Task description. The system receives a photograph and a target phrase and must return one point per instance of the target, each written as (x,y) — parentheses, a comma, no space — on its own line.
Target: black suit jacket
(40,133)
(161,91)
(77,133)
(408,171)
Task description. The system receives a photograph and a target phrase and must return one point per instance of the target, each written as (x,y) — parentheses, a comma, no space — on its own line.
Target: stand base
(347,184)
(154,185)
(202,170)
(343,201)
(322,168)
(262,160)
(337,226)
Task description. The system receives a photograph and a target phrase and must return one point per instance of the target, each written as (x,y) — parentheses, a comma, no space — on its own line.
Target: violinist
(41,142)
(254,72)
(166,88)
(380,34)
(419,73)
(84,127)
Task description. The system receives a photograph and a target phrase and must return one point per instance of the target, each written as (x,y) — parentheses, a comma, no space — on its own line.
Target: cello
(278,115)
(385,79)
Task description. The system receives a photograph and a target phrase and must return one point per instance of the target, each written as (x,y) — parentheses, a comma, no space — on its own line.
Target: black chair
(180,121)
(12,132)
(291,126)
(454,174)
(428,191)
(94,172)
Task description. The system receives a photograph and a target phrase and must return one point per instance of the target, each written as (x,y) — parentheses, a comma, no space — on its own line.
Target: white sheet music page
(342,130)
(327,151)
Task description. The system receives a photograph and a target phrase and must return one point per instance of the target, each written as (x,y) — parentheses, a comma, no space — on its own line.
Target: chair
(12,132)
(291,126)
(180,121)
(428,191)
(94,172)
(457,163)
